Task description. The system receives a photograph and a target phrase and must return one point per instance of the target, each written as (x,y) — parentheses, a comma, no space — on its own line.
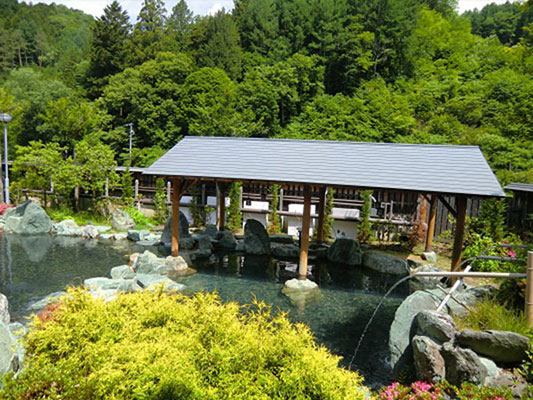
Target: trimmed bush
(157,346)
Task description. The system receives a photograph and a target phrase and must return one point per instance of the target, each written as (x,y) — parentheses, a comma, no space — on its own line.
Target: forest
(409,71)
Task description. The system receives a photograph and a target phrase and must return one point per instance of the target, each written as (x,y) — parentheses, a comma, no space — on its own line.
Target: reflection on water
(32,267)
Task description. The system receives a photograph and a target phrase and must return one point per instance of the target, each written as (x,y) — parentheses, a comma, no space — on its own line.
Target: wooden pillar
(304,242)
(176,195)
(431,222)
(529,289)
(460,206)
(321,213)
(221,206)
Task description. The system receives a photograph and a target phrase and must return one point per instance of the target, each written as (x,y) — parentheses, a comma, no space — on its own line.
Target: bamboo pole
(431,223)
(529,289)
(175,216)
(304,242)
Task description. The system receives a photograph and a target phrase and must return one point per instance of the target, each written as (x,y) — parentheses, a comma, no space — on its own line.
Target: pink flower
(511,253)
(419,387)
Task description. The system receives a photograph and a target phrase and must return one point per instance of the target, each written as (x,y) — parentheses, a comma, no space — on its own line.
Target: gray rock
(120,236)
(153,236)
(280,238)
(492,368)
(135,236)
(122,272)
(187,243)
(105,284)
(211,231)
(285,251)
(102,228)
(68,227)
(300,292)
(470,297)
(226,240)
(437,325)
(256,239)
(90,232)
(204,243)
(149,263)
(51,298)
(463,365)
(149,243)
(345,251)
(153,282)
(430,256)
(27,219)
(429,363)
(297,285)
(4,309)
(402,329)
(174,264)
(385,263)
(8,356)
(107,236)
(239,247)
(183,230)
(121,221)
(500,346)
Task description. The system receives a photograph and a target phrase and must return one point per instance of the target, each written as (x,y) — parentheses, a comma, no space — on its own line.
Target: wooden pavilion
(434,171)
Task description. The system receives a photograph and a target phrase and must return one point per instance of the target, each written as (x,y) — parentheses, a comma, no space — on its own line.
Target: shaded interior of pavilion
(458,172)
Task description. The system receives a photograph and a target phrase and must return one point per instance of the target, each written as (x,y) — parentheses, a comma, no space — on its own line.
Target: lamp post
(5,118)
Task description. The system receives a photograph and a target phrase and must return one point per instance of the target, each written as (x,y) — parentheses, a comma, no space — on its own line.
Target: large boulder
(345,251)
(429,364)
(285,251)
(226,240)
(463,365)
(183,230)
(149,263)
(501,346)
(122,272)
(420,283)
(385,263)
(256,239)
(27,219)
(211,231)
(8,355)
(153,282)
(436,325)
(402,329)
(281,238)
(122,221)
(4,309)
(68,227)
(105,284)
(90,232)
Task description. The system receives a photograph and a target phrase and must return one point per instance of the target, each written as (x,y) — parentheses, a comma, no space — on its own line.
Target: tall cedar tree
(108,50)
(148,33)
(179,23)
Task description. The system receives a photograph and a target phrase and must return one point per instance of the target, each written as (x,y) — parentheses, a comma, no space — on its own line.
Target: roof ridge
(327,141)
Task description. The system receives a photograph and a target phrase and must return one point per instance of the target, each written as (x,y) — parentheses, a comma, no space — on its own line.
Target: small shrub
(139,218)
(151,345)
(274,223)
(442,391)
(128,191)
(234,209)
(160,201)
(491,314)
(364,218)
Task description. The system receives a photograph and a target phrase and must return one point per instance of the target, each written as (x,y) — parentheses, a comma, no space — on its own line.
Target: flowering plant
(4,207)
(416,391)
(441,391)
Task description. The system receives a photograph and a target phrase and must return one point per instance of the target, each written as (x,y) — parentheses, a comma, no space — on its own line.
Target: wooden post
(175,216)
(304,242)
(136,190)
(431,222)
(529,289)
(321,213)
(460,204)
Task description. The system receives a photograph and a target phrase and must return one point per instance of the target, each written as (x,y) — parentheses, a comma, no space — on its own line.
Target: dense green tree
(108,50)
(179,24)
(148,33)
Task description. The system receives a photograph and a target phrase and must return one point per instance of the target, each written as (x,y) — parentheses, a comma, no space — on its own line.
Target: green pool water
(33,267)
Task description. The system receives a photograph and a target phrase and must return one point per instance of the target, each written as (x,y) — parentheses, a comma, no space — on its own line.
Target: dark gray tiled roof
(421,168)
(520,187)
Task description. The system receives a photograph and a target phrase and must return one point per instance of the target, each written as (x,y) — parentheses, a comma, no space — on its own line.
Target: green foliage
(128,192)
(491,219)
(234,209)
(363,227)
(154,345)
(491,314)
(160,201)
(62,213)
(328,214)
(274,221)
(141,220)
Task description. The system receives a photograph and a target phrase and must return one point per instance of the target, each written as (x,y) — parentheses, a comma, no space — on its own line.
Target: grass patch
(81,217)
(490,314)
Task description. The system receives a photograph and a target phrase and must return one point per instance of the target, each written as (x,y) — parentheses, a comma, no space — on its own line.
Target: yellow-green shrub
(156,346)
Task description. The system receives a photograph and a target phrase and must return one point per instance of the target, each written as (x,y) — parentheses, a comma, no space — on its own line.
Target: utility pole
(132,132)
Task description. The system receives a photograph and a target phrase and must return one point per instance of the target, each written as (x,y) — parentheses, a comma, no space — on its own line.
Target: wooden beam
(176,196)
(304,239)
(459,232)
(448,206)
(321,213)
(431,222)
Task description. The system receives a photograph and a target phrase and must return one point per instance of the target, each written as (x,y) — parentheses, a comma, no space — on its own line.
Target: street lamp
(5,118)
